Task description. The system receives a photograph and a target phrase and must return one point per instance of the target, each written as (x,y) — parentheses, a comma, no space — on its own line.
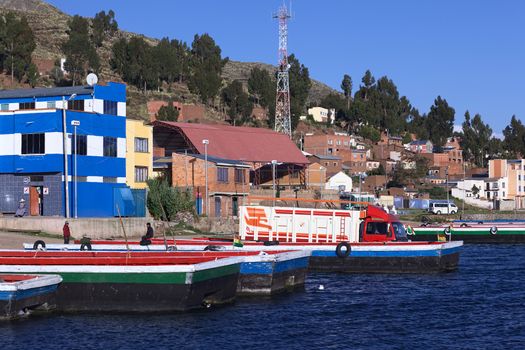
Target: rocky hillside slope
(49,25)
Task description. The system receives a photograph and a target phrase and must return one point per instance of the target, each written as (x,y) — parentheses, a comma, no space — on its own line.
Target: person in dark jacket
(149,231)
(146,239)
(67,232)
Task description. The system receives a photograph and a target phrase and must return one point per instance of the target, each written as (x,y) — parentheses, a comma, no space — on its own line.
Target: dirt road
(14,240)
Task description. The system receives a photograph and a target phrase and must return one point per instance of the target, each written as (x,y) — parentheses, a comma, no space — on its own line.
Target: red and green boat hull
(140,286)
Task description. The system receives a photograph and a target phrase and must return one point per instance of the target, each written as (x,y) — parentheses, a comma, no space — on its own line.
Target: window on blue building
(4,107)
(33,143)
(75,105)
(26,105)
(81,145)
(222,174)
(141,145)
(110,107)
(51,104)
(109,180)
(110,146)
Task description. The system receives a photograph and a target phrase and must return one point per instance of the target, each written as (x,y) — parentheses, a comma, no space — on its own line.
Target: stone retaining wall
(93,227)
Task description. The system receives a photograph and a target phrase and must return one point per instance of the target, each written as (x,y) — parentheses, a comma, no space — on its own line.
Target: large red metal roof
(239,143)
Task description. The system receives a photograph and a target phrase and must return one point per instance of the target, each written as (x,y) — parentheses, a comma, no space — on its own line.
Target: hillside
(49,26)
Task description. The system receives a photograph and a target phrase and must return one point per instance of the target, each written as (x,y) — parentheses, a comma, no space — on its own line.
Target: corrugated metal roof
(239,143)
(419,142)
(326,157)
(46,92)
(218,160)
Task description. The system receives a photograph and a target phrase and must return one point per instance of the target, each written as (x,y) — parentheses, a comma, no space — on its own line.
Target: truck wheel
(438,212)
(453,212)
(343,253)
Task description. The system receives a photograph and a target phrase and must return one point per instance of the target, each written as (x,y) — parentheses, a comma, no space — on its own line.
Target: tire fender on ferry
(343,253)
(85,246)
(38,244)
(493,230)
(447,230)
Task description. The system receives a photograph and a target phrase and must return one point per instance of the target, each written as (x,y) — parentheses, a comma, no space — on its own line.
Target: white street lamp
(206,143)
(75,123)
(64,146)
(274,163)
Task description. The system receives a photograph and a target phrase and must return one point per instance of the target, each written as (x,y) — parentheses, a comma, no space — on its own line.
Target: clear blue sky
(471,52)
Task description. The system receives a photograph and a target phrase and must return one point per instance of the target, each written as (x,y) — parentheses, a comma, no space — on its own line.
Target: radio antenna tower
(283,122)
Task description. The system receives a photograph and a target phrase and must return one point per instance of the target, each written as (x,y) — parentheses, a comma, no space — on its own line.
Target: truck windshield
(377,228)
(399,231)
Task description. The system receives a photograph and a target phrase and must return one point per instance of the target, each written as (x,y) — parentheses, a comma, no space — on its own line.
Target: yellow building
(139,153)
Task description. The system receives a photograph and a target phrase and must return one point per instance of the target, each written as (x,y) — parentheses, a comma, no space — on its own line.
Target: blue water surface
(481,306)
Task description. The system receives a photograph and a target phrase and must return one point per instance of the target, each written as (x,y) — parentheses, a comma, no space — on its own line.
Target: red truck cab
(379,226)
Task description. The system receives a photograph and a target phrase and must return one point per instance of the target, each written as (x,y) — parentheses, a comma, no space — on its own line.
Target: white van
(442,208)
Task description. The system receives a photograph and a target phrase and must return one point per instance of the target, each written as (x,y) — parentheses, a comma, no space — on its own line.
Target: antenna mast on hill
(283,122)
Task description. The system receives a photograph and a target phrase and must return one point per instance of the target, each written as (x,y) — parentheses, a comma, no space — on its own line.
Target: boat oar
(123,229)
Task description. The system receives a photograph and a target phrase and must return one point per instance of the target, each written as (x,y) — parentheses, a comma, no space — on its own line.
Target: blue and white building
(32,140)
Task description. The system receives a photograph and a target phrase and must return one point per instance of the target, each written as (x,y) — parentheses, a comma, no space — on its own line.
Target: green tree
(475,190)
(135,62)
(496,149)
(417,124)
(80,52)
(440,121)
(103,25)
(172,60)
(168,113)
(165,202)
(32,75)
(406,138)
(475,139)
(368,81)
(206,67)
(17,43)
(379,104)
(262,87)
(300,85)
(346,86)
(514,138)
(239,105)
(370,133)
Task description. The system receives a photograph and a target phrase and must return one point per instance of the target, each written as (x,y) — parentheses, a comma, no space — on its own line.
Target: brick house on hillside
(421,146)
(328,144)
(331,163)
(227,182)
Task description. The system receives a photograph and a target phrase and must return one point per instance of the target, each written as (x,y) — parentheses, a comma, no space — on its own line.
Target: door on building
(36,200)
(218,207)
(235,206)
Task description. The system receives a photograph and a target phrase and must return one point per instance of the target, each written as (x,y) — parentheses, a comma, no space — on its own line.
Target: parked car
(442,208)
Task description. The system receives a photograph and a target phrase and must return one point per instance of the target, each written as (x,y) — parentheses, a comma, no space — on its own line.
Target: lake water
(481,306)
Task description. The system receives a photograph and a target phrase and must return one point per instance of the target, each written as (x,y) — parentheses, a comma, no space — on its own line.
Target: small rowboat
(19,294)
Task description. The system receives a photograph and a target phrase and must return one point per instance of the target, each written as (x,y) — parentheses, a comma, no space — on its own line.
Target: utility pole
(274,163)
(283,120)
(64,145)
(206,143)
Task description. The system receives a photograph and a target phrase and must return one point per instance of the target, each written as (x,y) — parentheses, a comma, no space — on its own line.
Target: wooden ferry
(473,232)
(261,273)
(113,281)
